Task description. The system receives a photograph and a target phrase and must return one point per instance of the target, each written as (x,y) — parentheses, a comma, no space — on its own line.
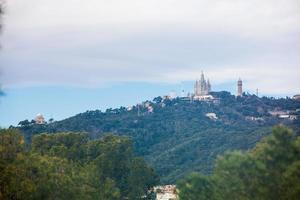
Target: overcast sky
(90,43)
(99,43)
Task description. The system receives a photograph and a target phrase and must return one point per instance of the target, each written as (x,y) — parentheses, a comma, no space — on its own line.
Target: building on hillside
(277,113)
(129,108)
(296,97)
(166,192)
(202,87)
(39,119)
(240,87)
(204,98)
(284,114)
(211,116)
(252,118)
(172,95)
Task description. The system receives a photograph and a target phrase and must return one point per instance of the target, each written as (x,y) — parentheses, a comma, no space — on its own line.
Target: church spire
(208,86)
(202,79)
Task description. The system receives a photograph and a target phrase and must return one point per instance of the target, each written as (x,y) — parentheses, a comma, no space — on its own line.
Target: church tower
(240,87)
(202,87)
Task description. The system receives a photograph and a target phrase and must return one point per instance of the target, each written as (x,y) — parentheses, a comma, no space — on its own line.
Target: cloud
(69,42)
(256,16)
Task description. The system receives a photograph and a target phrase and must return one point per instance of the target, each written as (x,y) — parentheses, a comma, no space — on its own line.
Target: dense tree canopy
(70,166)
(269,171)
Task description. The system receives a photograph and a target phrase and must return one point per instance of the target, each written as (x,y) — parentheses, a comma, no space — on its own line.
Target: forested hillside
(176,136)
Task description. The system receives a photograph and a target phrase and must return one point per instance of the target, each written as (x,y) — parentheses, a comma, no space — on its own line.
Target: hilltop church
(202,89)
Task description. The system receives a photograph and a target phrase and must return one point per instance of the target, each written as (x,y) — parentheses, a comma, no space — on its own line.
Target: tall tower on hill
(240,87)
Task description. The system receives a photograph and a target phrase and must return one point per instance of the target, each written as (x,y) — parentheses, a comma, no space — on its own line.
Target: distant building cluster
(287,114)
(202,91)
(202,88)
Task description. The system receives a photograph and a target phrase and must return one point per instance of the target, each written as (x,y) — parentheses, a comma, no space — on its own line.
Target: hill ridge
(175,136)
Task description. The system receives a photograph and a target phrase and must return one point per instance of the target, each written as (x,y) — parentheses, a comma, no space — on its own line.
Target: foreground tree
(268,171)
(70,166)
(197,187)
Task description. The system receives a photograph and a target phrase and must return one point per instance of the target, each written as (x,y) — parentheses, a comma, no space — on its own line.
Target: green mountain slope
(177,137)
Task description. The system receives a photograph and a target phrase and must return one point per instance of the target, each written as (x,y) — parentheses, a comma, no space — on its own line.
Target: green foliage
(268,171)
(70,166)
(177,138)
(66,145)
(12,143)
(25,123)
(197,187)
(291,181)
(141,175)
(238,176)
(36,177)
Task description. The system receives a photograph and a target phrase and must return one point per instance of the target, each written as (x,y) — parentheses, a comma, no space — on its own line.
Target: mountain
(178,136)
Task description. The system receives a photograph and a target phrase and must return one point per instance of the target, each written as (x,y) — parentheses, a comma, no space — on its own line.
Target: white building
(211,116)
(202,87)
(39,119)
(204,98)
(166,192)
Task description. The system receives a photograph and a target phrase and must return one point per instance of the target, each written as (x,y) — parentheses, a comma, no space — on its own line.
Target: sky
(63,57)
